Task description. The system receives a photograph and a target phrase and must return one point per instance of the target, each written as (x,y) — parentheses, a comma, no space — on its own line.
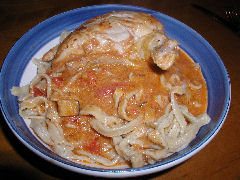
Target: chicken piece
(68,107)
(117,36)
(164,55)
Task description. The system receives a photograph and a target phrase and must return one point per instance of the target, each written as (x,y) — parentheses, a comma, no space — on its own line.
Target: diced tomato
(58,81)
(38,92)
(91,73)
(104,91)
(107,89)
(93,145)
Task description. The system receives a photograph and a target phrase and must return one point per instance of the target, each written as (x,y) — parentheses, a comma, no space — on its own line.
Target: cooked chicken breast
(123,37)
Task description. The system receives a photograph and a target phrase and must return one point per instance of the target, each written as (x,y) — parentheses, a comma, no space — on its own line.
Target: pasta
(115,96)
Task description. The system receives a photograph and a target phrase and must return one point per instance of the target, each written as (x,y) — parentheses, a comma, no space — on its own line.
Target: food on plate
(115,93)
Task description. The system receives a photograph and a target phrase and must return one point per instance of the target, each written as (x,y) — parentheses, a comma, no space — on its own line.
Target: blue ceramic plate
(17,70)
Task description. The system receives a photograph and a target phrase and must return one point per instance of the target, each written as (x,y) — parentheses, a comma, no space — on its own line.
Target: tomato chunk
(38,92)
(58,81)
(104,91)
(108,89)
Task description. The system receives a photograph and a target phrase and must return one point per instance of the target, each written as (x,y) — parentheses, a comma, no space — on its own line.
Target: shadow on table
(41,164)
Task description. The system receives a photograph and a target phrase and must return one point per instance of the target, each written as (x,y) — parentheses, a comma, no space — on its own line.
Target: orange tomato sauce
(95,85)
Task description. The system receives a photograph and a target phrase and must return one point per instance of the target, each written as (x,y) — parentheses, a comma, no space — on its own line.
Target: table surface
(220,159)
